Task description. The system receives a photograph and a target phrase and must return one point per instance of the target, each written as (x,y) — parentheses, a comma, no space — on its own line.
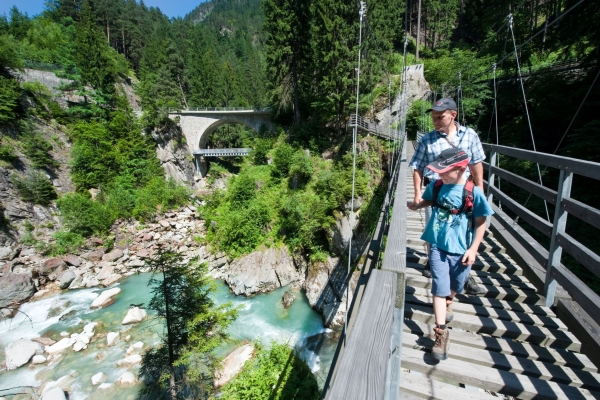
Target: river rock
(65,278)
(98,378)
(233,363)
(114,255)
(60,346)
(20,352)
(112,278)
(72,260)
(287,299)
(95,255)
(130,361)
(79,345)
(38,359)
(261,272)
(51,264)
(127,379)
(15,289)
(105,298)
(89,280)
(58,306)
(54,394)
(134,315)
(88,329)
(112,338)
(105,272)
(44,341)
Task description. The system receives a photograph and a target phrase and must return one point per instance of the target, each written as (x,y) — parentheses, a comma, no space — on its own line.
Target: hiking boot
(472,288)
(442,344)
(449,312)
(427,270)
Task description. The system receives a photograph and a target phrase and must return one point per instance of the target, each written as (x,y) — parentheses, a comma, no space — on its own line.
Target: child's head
(450,165)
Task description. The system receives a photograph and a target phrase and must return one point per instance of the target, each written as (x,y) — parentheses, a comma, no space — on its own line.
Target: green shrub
(66,242)
(158,194)
(277,373)
(7,153)
(261,150)
(34,187)
(241,230)
(84,216)
(242,189)
(282,158)
(301,166)
(36,148)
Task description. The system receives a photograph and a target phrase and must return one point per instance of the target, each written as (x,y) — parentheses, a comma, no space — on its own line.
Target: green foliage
(275,373)
(301,166)
(34,187)
(84,216)
(261,150)
(282,158)
(194,326)
(158,194)
(9,99)
(65,243)
(417,119)
(7,153)
(36,148)
(9,58)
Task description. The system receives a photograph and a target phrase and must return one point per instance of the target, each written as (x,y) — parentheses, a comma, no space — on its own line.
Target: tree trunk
(296,94)
(172,389)
(418,29)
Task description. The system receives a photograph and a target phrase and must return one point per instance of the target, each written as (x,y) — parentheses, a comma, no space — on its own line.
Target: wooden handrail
(556,273)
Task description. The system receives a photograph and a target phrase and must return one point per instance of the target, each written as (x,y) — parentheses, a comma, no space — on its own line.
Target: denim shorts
(448,272)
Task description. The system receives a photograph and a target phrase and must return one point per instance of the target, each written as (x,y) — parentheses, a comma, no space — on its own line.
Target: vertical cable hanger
(510,24)
(361,13)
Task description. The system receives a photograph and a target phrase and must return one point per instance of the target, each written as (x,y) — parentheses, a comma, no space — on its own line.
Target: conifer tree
(193,328)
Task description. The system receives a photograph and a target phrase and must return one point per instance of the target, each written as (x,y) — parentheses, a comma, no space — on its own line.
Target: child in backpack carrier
(455,230)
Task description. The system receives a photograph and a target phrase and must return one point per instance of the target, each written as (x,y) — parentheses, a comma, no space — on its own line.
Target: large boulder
(262,271)
(54,394)
(98,378)
(15,289)
(51,265)
(233,363)
(287,299)
(60,346)
(112,338)
(130,361)
(113,255)
(325,287)
(105,272)
(72,260)
(65,278)
(105,298)
(127,379)
(20,352)
(341,232)
(134,315)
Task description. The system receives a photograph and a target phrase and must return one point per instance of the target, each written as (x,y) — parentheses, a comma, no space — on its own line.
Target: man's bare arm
(417,181)
(477,172)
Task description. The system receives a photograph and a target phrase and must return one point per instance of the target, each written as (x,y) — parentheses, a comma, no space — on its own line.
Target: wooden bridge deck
(505,342)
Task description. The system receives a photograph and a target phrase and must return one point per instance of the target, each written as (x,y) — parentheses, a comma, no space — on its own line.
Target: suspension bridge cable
(545,28)
(569,127)
(361,14)
(526,108)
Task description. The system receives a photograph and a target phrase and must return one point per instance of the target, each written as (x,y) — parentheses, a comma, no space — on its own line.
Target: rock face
(261,272)
(20,352)
(105,298)
(15,289)
(326,287)
(340,234)
(134,315)
(233,363)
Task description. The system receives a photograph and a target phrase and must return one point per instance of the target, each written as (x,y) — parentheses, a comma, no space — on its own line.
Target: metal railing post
(560,222)
(491,182)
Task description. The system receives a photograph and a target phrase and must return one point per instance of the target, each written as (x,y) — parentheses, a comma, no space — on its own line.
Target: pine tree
(92,59)
(193,328)
(288,51)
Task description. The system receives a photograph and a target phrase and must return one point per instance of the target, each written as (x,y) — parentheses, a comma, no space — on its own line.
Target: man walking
(447,134)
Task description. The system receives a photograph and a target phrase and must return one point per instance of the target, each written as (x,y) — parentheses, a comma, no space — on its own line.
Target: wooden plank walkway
(505,342)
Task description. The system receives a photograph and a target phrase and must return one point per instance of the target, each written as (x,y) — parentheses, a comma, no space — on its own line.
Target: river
(261,317)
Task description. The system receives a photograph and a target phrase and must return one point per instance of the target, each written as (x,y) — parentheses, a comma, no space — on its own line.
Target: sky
(171,8)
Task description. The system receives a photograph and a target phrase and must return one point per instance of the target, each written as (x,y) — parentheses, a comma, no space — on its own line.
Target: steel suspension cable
(526,108)
(361,13)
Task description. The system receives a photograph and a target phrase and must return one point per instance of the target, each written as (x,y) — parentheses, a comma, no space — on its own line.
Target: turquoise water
(261,317)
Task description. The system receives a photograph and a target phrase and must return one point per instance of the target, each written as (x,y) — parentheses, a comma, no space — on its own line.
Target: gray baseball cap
(443,105)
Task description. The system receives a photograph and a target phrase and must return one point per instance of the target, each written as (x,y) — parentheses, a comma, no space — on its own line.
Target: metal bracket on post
(560,222)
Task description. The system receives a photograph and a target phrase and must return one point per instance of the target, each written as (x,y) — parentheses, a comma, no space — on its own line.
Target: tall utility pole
(418,29)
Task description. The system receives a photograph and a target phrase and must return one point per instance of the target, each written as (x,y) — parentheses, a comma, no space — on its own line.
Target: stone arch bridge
(198,124)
